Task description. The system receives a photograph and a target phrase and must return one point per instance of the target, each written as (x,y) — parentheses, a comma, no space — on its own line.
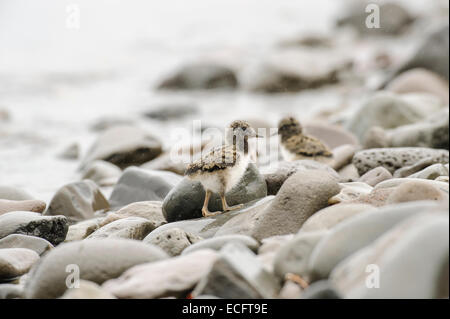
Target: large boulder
(94,260)
(301,195)
(409,261)
(185,200)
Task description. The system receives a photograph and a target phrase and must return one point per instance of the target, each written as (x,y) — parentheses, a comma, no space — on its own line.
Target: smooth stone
(275,176)
(293,257)
(290,290)
(400,256)
(173,240)
(444,179)
(431,172)
(420,80)
(329,217)
(102,173)
(394,19)
(282,72)
(71,152)
(269,248)
(51,228)
(129,228)
(13,193)
(16,262)
(207,227)
(348,173)
(245,263)
(301,195)
(171,111)
(377,197)
(216,243)
(224,282)
(395,158)
(87,290)
(201,75)
(431,132)
(432,54)
(137,185)
(123,146)
(342,155)
(83,229)
(11,291)
(355,233)
(77,201)
(415,191)
(375,176)
(150,210)
(349,192)
(165,278)
(39,245)
(388,110)
(321,289)
(30,205)
(108,122)
(98,260)
(185,200)
(407,171)
(395,182)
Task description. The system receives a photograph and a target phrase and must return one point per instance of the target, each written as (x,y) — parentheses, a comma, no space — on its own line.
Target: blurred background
(70,69)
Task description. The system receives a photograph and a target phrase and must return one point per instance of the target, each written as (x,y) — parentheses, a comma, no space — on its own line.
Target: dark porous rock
(395,158)
(322,289)
(389,110)
(201,76)
(433,54)
(39,245)
(129,228)
(31,205)
(171,111)
(277,175)
(297,70)
(124,146)
(13,193)
(359,231)
(51,228)
(394,19)
(173,240)
(394,266)
(137,185)
(218,242)
(185,200)
(98,260)
(77,201)
(207,227)
(420,80)
(15,262)
(303,194)
(431,132)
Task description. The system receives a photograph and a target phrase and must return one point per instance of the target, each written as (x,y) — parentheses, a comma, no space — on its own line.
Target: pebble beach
(103,105)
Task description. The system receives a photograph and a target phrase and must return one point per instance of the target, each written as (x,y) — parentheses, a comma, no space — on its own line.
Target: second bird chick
(295,145)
